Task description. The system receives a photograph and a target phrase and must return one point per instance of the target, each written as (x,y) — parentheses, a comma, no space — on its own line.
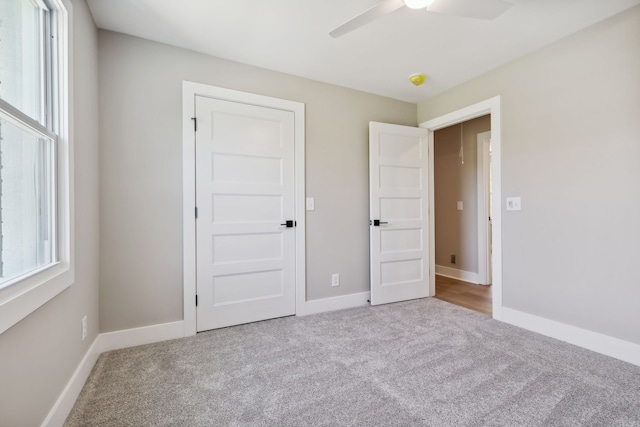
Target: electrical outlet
(84,327)
(453,258)
(335,279)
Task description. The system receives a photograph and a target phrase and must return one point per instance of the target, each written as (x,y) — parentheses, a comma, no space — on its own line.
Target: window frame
(26,293)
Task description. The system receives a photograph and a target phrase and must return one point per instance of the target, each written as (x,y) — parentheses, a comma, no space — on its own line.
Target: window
(35,232)
(27,183)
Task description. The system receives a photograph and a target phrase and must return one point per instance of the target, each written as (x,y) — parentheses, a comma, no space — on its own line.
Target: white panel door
(399,207)
(245,252)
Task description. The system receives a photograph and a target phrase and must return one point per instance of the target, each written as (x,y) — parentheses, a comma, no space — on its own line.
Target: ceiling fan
(478,9)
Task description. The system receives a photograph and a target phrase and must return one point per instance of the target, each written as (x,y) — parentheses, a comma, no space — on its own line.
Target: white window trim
(38,287)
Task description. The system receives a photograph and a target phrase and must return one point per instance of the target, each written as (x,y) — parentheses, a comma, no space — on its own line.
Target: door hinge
(196,212)
(196,300)
(195,123)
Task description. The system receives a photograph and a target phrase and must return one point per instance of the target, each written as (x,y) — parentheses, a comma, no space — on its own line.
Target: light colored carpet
(423,362)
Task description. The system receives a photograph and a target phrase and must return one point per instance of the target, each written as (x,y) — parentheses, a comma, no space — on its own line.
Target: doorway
(491,107)
(461,194)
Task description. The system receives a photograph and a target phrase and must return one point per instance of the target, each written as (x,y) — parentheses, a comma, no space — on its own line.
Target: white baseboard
(67,398)
(454,273)
(107,342)
(336,303)
(141,336)
(603,344)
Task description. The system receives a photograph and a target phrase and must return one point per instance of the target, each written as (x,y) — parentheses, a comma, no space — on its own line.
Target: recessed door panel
(399,148)
(234,248)
(399,240)
(236,168)
(236,208)
(249,128)
(399,208)
(401,272)
(248,287)
(400,177)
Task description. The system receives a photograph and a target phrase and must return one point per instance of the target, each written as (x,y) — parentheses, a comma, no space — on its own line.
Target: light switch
(460,205)
(514,204)
(311,204)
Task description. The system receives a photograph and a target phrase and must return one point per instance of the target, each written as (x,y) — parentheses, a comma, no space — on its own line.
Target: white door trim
(489,106)
(483,176)
(189,92)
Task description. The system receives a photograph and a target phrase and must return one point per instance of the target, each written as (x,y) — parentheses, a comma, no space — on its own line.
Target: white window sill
(20,299)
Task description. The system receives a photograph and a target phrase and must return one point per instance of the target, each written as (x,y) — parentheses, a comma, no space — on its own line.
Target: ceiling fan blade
(478,9)
(377,11)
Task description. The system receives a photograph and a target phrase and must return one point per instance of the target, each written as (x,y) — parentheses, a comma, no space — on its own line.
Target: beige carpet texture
(418,363)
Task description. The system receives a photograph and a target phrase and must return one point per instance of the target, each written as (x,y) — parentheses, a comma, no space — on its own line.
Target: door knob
(289,223)
(377,222)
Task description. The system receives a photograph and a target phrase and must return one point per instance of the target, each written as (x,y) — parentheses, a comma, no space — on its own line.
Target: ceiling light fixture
(417,4)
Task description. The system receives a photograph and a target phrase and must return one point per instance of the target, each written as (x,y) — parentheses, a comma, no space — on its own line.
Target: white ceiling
(291,36)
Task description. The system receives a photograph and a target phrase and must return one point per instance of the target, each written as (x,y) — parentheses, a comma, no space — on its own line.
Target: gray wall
(571,150)
(39,354)
(141,176)
(457,231)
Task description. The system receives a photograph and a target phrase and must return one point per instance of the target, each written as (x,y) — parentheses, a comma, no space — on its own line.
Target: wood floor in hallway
(468,295)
